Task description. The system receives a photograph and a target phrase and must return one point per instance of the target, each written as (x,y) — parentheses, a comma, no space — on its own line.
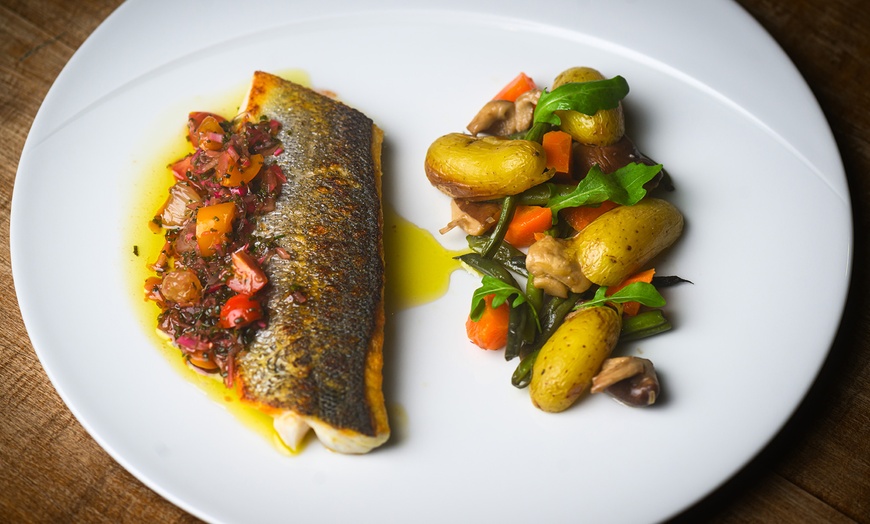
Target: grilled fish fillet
(318,363)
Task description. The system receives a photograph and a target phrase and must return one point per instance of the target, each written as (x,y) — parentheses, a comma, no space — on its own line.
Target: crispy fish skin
(318,363)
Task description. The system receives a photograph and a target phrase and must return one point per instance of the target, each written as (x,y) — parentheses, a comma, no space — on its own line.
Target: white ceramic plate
(767,245)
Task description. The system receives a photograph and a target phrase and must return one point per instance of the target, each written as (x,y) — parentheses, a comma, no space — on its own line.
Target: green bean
(552,316)
(505,251)
(517,264)
(530,330)
(554,313)
(534,301)
(643,325)
(516,327)
(534,295)
(522,376)
(508,207)
(506,254)
(488,266)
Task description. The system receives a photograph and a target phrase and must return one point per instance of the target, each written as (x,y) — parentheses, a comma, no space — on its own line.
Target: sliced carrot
(631,308)
(580,217)
(515,88)
(491,330)
(557,146)
(527,221)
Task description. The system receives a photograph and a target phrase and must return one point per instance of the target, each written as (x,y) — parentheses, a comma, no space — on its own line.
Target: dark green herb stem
(667,281)
(537,131)
(508,206)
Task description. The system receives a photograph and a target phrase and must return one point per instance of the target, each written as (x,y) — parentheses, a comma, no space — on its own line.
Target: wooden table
(816,470)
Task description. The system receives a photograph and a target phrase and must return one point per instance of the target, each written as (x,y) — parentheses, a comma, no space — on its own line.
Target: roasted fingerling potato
(620,242)
(577,74)
(485,168)
(603,128)
(568,361)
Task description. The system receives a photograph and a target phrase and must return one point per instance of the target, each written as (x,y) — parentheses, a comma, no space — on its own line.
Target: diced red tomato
(181,167)
(239,311)
(248,277)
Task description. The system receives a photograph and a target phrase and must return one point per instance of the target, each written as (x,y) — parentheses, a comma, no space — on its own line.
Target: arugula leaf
(502,292)
(641,292)
(493,286)
(586,97)
(624,186)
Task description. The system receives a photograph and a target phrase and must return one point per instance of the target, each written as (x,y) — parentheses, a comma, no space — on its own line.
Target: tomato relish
(208,278)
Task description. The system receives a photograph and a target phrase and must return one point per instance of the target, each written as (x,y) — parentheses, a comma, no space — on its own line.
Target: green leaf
(624,186)
(502,293)
(642,292)
(585,97)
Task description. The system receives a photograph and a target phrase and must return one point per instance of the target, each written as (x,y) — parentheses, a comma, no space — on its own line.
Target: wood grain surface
(816,470)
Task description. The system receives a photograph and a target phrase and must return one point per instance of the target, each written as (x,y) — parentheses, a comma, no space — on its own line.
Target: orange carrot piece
(491,330)
(631,308)
(580,217)
(515,88)
(557,146)
(527,221)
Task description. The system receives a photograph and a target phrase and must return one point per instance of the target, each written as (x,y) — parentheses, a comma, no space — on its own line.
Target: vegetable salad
(564,217)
